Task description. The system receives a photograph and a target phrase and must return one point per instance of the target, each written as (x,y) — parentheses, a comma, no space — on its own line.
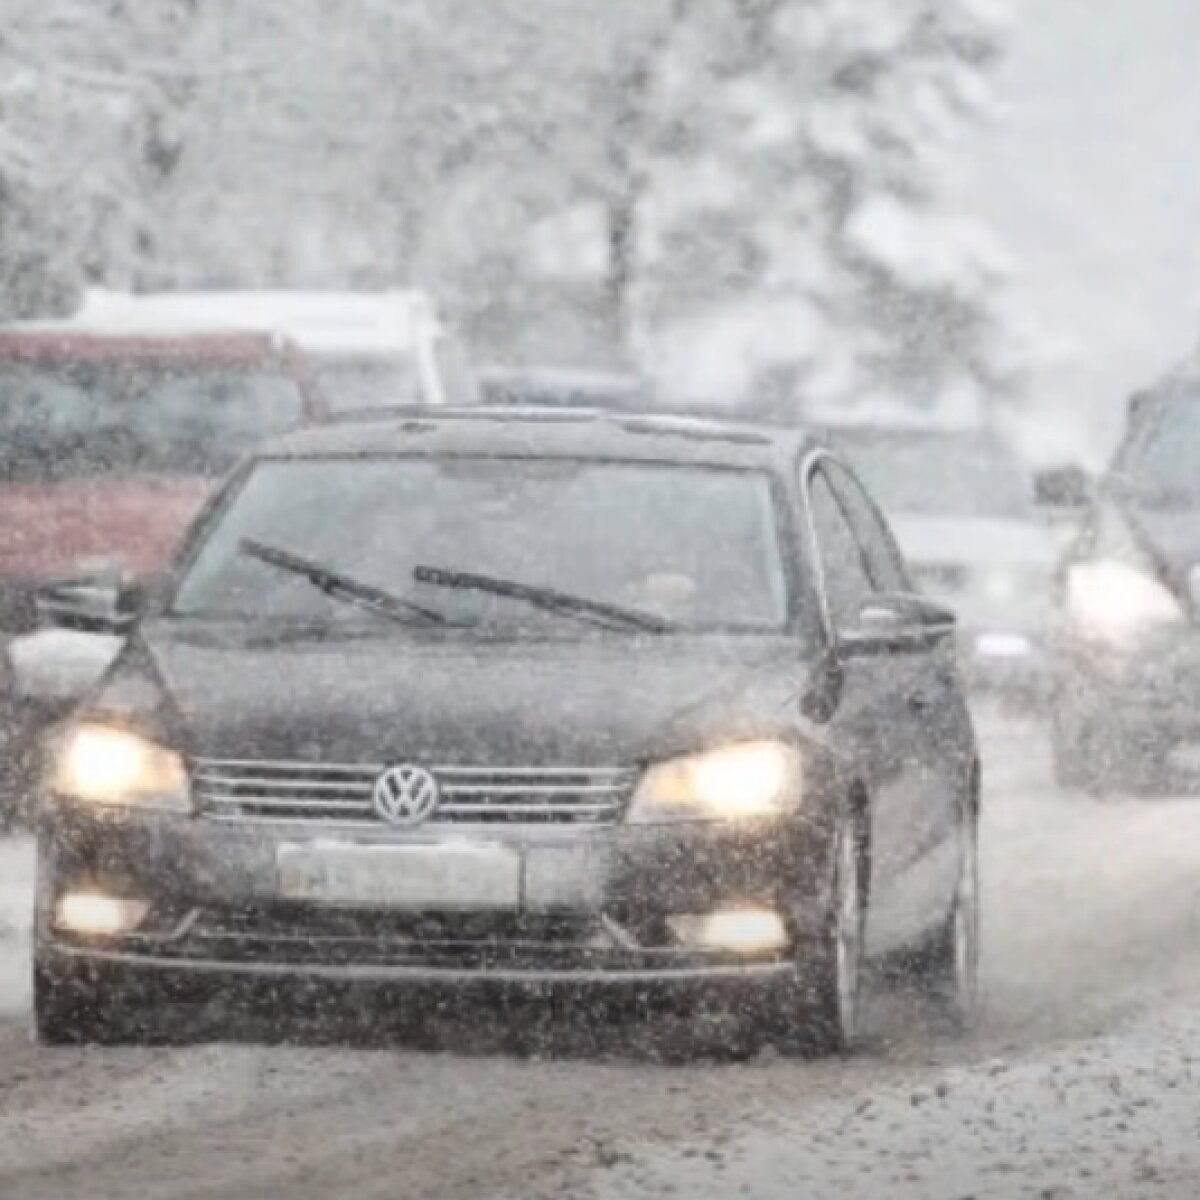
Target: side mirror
(91,604)
(894,623)
(1062,488)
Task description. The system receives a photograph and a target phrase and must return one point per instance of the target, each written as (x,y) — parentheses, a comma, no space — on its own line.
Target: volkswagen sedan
(521,699)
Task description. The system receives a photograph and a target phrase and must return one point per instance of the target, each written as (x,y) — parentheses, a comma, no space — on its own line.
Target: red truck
(110,442)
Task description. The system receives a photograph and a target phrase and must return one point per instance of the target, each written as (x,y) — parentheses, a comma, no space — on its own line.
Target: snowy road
(1081,1082)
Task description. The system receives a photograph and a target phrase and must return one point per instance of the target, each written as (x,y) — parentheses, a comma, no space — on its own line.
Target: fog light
(98,914)
(745,930)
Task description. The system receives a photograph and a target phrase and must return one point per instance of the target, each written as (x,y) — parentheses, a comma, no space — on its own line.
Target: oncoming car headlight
(98,764)
(1114,601)
(735,782)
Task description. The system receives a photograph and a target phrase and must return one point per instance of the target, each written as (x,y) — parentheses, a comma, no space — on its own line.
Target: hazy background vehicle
(961,505)
(1126,687)
(110,441)
(367,349)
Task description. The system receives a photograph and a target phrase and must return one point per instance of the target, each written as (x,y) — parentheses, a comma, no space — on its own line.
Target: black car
(1127,663)
(521,699)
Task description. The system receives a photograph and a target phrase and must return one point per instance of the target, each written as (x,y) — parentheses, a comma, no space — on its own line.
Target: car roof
(523,432)
(48,342)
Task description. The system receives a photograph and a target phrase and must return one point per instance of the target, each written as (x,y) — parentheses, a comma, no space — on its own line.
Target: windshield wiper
(341,587)
(544,598)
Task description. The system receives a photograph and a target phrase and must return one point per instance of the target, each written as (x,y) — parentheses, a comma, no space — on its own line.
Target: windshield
(1159,464)
(698,547)
(939,476)
(69,419)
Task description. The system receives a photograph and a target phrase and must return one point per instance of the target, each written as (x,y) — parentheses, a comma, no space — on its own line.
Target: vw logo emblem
(405,795)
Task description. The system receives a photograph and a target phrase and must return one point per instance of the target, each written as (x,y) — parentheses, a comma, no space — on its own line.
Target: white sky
(1091,180)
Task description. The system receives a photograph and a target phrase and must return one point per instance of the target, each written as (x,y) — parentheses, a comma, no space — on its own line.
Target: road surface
(1081,1081)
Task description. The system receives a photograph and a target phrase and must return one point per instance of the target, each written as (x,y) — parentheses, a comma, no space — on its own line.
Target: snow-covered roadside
(1112,1115)
(16,911)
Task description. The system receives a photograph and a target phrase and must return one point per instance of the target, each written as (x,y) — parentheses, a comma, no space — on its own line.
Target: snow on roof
(335,323)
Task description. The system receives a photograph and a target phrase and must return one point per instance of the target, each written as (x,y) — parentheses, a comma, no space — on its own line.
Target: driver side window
(883,559)
(847,580)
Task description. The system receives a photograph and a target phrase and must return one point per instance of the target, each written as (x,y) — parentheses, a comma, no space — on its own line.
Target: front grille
(298,935)
(301,935)
(252,791)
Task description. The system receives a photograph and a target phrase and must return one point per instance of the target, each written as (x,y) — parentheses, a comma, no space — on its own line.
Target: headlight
(1114,601)
(115,767)
(746,780)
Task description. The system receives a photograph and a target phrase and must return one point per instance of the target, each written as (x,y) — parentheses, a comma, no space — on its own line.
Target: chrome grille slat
(283,764)
(211,779)
(520,789)
(339,794)
(225,798)
(588,773)
(333,822)
(543,809)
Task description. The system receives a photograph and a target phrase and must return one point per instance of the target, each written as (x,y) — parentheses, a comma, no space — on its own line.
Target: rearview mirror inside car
(894,623)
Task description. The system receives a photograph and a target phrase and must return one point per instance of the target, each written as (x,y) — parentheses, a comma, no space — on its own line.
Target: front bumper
(593,909)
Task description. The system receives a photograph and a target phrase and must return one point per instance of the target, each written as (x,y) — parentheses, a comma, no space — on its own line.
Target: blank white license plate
(414,878)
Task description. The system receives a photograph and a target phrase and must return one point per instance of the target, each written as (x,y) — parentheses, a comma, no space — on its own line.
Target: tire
(818,1008)
(947,967)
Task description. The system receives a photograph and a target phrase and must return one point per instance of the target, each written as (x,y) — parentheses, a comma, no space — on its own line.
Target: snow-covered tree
(92,105)
(795,240)
(748,190)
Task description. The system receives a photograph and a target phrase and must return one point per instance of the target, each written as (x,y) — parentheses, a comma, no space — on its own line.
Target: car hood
(452,698)
(974,541)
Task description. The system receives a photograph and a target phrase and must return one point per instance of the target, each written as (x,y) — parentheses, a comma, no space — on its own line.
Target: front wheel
(818,1007)
(948,968)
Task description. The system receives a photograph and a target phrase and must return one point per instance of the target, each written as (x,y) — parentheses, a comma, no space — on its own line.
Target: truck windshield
(71,419)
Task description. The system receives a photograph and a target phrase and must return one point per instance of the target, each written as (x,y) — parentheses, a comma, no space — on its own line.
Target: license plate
(408,878)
